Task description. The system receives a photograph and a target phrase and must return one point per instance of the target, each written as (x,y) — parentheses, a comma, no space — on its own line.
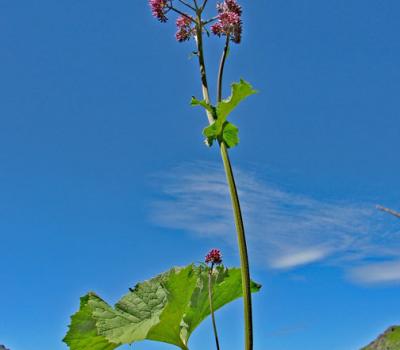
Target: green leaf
(227,286)
(195,102)
(212,132)
(230,135)
(240,91)
(171,328)
(83,334)
(166,308)
(221,129)
(227,132)
(135,314)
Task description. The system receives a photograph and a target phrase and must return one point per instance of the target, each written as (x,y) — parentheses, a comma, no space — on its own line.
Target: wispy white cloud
(307,256)
(284,229)
(377,273)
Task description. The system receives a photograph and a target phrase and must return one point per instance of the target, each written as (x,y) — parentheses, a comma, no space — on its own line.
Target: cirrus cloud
(285,229)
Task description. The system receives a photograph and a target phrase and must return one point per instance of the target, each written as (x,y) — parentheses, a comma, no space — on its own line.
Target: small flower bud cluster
(229,20)
(214,257)
(158,8)
(185,29)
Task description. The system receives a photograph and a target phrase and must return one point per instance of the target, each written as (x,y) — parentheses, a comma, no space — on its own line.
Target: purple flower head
(185,30)
(158,8)
(214,257)
(230,6)
(229,20)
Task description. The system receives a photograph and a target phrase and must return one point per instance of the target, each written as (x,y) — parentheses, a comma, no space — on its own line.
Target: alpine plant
(170,306)
(227,23)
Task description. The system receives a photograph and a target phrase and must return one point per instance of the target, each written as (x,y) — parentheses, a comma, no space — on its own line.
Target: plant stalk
(203,72)
(221,68)
(210,298)
(244,260)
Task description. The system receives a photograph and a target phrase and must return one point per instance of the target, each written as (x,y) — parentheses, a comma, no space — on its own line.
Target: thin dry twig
(387,210)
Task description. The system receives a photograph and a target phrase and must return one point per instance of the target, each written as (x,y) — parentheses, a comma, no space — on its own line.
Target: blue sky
(105,181)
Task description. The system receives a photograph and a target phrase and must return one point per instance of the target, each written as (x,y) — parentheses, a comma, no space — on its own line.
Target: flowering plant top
(227,22)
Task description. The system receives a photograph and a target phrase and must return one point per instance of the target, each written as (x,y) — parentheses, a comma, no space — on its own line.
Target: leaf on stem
(195,102)
(240,91)
(221,129)
(226,132)
(166,308)
(230,135)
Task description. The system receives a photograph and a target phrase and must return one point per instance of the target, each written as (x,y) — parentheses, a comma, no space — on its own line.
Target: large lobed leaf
(167,308)
(83,332)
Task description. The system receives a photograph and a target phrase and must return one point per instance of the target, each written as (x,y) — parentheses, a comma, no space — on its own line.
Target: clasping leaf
(221,130)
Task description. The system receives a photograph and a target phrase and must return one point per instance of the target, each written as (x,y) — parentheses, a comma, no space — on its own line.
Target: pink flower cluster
(229,20)
(214,257)
(185,29)
(158,8)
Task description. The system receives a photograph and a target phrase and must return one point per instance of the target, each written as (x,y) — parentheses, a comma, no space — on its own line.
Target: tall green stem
(244,260)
